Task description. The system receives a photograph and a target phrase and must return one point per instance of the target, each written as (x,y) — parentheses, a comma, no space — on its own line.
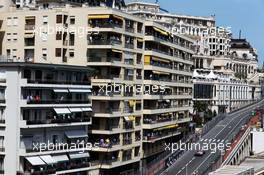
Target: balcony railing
(93,58)
(106,25)
(127,141)
(58,101)
(105,42)
(37,81)
(129,29)
(60,120)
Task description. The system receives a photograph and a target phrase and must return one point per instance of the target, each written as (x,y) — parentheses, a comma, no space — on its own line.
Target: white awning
(60,90)
(80,90)
(79,155)
(36,160)
(60,158)
(75,109)
(76,134)
(48,159)
(87,109)
(62,110)
(126,118)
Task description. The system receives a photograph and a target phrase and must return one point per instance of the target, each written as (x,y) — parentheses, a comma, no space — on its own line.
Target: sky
(244,15)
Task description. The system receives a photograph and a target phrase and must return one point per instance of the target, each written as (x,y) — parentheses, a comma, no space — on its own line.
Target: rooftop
(231,170)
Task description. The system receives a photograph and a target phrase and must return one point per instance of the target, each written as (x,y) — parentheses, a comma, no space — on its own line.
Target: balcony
(57,101)
(130,29)
(105,42)
(60,120)
(158,135)
(57,81)
(107,129)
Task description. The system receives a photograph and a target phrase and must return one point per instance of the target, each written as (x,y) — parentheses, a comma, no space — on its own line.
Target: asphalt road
(189,164)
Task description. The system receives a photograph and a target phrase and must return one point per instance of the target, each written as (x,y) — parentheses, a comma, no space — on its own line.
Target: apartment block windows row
(12,21)
(11,37)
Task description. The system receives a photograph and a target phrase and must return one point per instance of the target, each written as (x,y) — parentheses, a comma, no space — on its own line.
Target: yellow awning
(161,31)
(158,72)
(132,103)
(147,60)
(166,127)
(118,51)
(159,59)
(98,16)
(131,118)
(118,17)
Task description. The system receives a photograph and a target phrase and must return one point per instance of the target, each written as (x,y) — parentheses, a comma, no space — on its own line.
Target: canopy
(99,16)
(79,155)
(35,160)
(76,134)
(75,109)
(60,158)
(48,159)
(80,90)
(61,90)
(160,31)
(87,109)
(62,110)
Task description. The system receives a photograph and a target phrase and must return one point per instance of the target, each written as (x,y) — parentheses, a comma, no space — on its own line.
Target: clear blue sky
(245,15)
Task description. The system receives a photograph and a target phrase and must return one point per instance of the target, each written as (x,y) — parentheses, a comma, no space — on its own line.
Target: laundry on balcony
(60,158)
(60,111)
(35,161)
(48,159)
(79,155)
(76,134)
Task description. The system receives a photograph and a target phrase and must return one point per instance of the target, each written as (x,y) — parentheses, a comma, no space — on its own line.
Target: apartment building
(227,82)
(178,23)
(222,92)
(167,61)
(128,125)
(45,114)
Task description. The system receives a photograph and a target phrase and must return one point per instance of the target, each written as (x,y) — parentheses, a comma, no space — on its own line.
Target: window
(14,53)
(58,35)
(45,20)
(71,53)
(72,20)
(58,52)
(15,21)
(44,53)
(9,21)
(8,36)
(14,36)
(44,36)
(59,19)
